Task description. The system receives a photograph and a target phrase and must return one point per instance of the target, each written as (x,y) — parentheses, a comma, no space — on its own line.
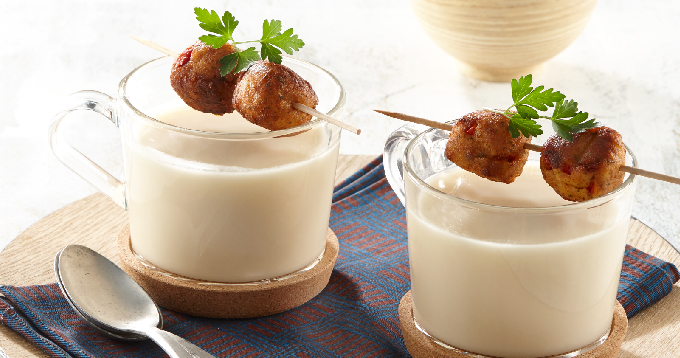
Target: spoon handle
(195,350)
(167,342)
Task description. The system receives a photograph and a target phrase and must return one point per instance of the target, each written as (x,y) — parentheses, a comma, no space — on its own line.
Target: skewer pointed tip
(417,120)
(155,46)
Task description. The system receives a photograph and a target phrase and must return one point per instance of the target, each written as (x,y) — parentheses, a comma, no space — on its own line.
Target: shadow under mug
(506,281)
(220,207)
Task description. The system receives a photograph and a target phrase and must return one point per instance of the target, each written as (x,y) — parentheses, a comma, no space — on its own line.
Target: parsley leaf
(211,22)
(287,41)
(214,41)
(521,87)
(540,99)
(526,111)
(528,101)
(230,23)
(272,42)
(565,109)
(575,122)
(229,63)
(238,61)
(271,53)
(526,126)
(270,29)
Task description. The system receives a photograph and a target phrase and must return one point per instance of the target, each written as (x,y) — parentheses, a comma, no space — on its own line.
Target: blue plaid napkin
(355,316)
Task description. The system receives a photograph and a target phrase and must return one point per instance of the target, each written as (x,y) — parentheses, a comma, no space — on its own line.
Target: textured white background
(624,69)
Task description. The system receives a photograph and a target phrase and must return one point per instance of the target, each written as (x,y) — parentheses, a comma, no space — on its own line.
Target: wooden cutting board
(95,222)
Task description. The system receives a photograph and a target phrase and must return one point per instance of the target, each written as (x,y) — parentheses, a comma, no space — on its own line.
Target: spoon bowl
(94,283)
(112,302)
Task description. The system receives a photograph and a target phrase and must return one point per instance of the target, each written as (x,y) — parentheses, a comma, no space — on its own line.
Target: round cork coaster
(421,345)
(206,299)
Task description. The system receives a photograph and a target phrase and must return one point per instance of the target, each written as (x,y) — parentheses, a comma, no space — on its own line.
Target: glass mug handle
(74,159)
(393,156)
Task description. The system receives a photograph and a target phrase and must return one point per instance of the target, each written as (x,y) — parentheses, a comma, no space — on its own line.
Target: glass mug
(219,207)
(506,281)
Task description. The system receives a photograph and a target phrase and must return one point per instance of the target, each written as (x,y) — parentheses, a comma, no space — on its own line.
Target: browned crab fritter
(197,80)
(586,167)
(481,143)
(266,93)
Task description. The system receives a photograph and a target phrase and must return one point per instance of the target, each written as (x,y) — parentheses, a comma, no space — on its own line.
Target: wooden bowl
(498,40)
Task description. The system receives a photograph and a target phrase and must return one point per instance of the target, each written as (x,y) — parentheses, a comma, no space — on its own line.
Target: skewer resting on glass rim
(528,146)
(268,119)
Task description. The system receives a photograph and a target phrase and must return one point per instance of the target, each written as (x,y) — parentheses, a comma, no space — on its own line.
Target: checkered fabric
(355,316)
(644,280)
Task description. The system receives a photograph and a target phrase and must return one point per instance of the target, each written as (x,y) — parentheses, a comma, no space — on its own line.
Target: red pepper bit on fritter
(197,80)
(586,167)
(481,143)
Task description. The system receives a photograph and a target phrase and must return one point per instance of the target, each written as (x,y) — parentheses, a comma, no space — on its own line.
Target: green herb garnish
(273,41)
(527,101)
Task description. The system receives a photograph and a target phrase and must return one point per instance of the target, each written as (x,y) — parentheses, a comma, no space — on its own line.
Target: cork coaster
(420,345)
(224,300)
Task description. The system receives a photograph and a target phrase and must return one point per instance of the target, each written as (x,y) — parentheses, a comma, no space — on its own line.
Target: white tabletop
(624,69)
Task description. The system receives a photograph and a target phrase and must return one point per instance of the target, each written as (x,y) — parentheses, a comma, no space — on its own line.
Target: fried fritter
(586,167)
(266,93)
(480,142)
(196,78)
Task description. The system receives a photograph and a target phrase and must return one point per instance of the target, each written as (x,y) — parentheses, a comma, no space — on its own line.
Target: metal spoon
(111,301)
(196,351)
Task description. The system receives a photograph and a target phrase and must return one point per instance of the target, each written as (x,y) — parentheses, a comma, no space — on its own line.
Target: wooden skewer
(298,106)
(648,174)
(417,120)
(534,147)
(528,146)
(327,118)
(155,46)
